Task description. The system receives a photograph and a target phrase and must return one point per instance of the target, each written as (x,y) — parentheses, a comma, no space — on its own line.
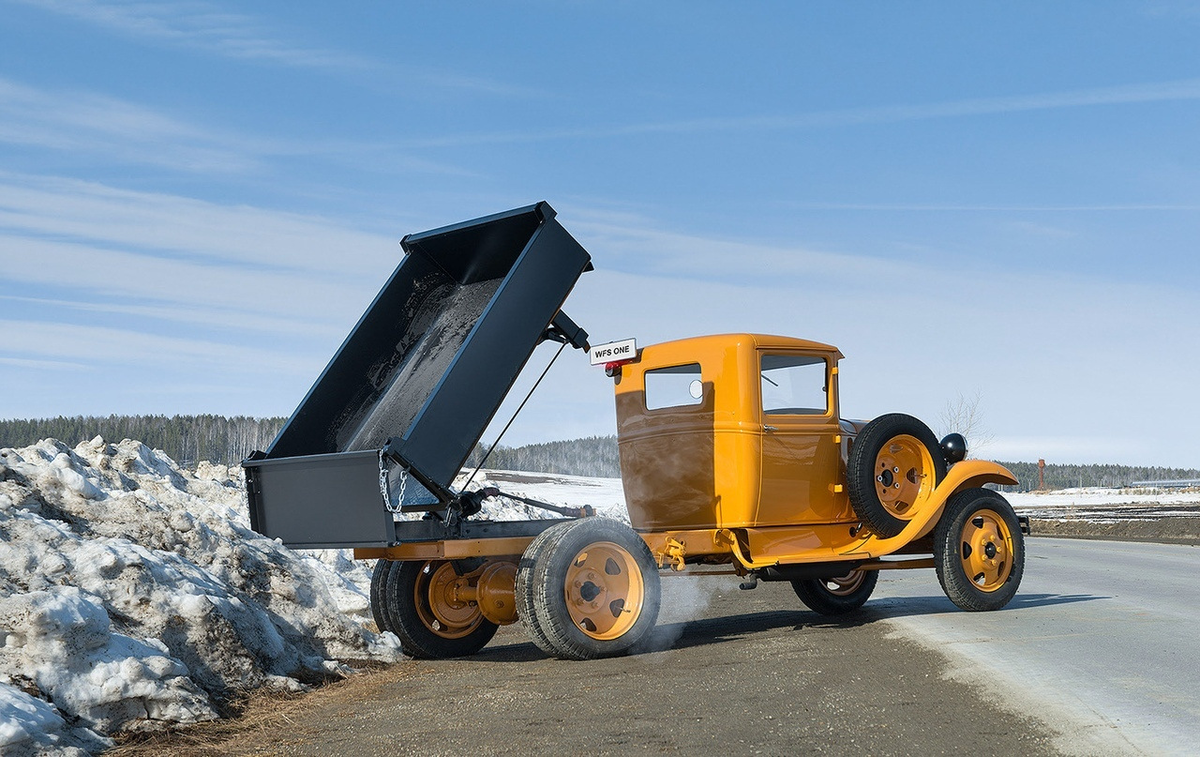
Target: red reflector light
(613,368)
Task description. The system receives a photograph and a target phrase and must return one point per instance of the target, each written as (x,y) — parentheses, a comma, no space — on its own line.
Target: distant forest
(189,439)
(593,456)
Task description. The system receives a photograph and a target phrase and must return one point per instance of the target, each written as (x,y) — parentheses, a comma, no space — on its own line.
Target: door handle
(769,429)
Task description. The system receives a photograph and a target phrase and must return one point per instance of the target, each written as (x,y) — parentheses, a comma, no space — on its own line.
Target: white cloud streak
(52,208)
(83,122)
(1153,92)
(74,343)
(207,28)
(200,26)
(116,131)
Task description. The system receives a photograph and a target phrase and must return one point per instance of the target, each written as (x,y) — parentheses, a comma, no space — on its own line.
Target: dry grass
(263,721)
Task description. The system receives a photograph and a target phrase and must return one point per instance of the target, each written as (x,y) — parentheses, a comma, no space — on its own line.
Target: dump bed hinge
(563,329)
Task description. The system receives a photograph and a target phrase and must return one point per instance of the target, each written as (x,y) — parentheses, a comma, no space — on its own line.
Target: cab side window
(794,385)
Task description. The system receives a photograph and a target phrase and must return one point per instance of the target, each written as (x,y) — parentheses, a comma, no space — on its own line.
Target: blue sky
(1002,200)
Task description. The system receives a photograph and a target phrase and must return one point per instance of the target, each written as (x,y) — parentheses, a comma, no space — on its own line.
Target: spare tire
(894,465)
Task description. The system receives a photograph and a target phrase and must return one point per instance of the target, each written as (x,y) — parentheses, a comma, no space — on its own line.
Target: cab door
(801,457)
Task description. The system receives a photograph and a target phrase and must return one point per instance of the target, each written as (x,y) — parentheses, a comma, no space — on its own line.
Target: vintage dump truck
(734,459)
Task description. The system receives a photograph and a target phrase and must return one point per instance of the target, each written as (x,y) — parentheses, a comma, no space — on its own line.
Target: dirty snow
(133,594)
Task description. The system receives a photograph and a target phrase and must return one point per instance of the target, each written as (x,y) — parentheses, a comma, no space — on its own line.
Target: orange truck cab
(733,449)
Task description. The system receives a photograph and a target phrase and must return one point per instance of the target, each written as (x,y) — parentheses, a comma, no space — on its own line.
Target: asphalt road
(1102,641)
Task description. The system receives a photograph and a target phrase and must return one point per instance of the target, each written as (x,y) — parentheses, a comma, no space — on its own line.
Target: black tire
(979,550)
(588,588)
(837,595)
(419,618)
(894,465)
(379,578)
(535,553)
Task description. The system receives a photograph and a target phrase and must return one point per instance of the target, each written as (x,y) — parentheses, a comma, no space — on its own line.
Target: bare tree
(963,415)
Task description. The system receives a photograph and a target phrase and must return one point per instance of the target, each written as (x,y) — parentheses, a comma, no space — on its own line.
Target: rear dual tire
(414,600)
(588,588)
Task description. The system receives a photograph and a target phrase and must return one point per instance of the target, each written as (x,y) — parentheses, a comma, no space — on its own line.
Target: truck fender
(967,474)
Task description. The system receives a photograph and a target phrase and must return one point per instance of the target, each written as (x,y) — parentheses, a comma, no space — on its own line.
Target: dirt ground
(1128,525)
(754,673)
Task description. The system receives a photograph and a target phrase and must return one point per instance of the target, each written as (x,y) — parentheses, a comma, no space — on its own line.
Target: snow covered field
(134,595)
(1098,505)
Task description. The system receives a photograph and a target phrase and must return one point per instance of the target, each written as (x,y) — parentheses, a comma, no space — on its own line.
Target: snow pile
(133,594)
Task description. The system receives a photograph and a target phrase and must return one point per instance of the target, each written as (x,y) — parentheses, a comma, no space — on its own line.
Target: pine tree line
(1067,476)
(591,456)
(188,439)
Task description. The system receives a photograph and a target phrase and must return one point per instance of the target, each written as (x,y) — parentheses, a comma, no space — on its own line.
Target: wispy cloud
(209,28)
(42,365)
(71,342)
(1182,90)
(118,130)
(201,26)
(634,244)
(104,217)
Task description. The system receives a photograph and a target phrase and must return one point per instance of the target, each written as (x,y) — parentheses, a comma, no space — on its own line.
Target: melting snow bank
(134,595)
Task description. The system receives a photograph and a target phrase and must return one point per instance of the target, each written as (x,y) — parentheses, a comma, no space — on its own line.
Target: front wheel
(837,595)
(423,609)
(588,588)
(979,550)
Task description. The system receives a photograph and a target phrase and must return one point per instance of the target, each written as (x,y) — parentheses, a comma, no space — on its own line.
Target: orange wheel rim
(986,550)
(903,475)
(604,590)
(844,586)
(438,605)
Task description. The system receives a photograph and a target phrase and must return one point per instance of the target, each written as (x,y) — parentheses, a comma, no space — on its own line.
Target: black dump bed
(398,410)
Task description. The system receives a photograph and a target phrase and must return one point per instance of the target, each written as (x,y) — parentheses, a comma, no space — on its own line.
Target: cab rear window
(677,386)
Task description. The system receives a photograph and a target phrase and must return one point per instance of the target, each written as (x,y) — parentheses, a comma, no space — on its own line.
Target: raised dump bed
(396,413)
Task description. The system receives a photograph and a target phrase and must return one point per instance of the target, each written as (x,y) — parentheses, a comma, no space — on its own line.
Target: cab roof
(751,341)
